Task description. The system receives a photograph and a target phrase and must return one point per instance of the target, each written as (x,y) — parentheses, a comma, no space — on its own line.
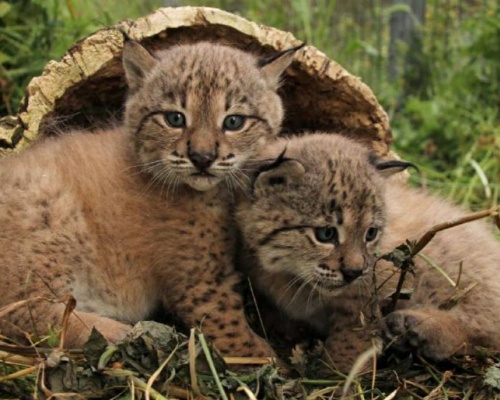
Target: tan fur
(339,187)
(113,218)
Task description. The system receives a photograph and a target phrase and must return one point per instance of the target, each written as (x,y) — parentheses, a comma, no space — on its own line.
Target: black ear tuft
(268,60)
(277,174)
(267,165)
(390,167)
(126,37)
(400,165)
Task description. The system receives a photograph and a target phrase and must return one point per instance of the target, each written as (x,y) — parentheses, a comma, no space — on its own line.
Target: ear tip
(297,48)
(126,37)
(395,164)
(269,60)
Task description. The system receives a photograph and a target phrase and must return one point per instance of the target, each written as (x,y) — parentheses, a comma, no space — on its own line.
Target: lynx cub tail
(315,218)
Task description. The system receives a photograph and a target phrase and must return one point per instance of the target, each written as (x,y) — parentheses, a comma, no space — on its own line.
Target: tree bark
(86,88)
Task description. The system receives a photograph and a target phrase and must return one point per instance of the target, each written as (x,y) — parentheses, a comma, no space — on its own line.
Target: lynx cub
(314,220)
(137,219)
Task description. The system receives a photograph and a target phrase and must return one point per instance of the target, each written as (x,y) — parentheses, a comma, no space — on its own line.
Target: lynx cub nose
(351,274)
(202,160)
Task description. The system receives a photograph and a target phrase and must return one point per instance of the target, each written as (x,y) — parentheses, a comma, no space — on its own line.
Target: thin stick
(70,307)
(427,237)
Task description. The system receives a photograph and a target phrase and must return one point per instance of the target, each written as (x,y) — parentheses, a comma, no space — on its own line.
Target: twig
(70,307)
(407,263)
(427,237)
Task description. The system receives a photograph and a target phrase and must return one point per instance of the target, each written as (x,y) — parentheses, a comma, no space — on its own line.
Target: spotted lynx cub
(313,222)
(137,219)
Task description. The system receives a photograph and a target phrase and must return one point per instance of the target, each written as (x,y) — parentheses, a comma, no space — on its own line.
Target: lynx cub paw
(431,332)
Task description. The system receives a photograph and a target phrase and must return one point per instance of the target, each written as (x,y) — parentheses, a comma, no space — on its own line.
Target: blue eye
(175,119)
(326,234)
(371,234)
(233,122)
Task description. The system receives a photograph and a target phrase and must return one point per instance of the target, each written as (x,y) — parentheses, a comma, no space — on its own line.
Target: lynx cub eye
(233,122)
(326,234)
(371,234)
(175,119)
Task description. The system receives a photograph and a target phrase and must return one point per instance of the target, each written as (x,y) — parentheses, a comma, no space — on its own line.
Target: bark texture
(86,88)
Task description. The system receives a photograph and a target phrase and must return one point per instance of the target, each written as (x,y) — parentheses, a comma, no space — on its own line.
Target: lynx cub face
(319,228)
(197,112)
(312,223)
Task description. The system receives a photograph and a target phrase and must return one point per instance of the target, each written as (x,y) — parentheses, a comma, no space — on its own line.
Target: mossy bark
(86,88)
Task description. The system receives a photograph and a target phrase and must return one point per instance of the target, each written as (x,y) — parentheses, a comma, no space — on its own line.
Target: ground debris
(157,362)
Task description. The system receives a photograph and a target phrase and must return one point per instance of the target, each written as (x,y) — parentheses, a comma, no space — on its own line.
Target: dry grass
(158,363)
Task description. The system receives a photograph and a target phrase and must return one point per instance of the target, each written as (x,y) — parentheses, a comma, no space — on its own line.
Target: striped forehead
(347,186)
(204,84)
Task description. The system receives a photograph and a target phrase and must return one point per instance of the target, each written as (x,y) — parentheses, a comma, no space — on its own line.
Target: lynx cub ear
(388,168)
(272,67)
(137,62)
(286,172)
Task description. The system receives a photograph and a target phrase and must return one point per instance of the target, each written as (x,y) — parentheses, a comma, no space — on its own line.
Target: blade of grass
(437,268)
(211,365)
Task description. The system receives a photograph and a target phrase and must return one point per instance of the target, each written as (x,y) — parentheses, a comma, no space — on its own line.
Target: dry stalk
(12,306)
(155,375)
(249,360)
(435,393)
(70,307)
(427,237)
(192,362)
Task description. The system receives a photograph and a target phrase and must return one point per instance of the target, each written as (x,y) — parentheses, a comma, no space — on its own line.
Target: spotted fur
(134,219)
(327,279)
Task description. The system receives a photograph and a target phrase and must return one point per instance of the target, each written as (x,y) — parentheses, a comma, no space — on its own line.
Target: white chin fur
(202,183)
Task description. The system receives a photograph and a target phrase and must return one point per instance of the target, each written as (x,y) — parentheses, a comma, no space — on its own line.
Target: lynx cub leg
(223,321)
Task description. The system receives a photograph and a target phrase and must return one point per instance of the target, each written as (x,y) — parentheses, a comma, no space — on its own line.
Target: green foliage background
(444,108)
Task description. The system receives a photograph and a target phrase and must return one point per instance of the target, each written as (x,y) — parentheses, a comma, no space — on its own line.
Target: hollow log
(86,88)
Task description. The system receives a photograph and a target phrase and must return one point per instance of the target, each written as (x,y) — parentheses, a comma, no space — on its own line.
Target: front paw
(432,333)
